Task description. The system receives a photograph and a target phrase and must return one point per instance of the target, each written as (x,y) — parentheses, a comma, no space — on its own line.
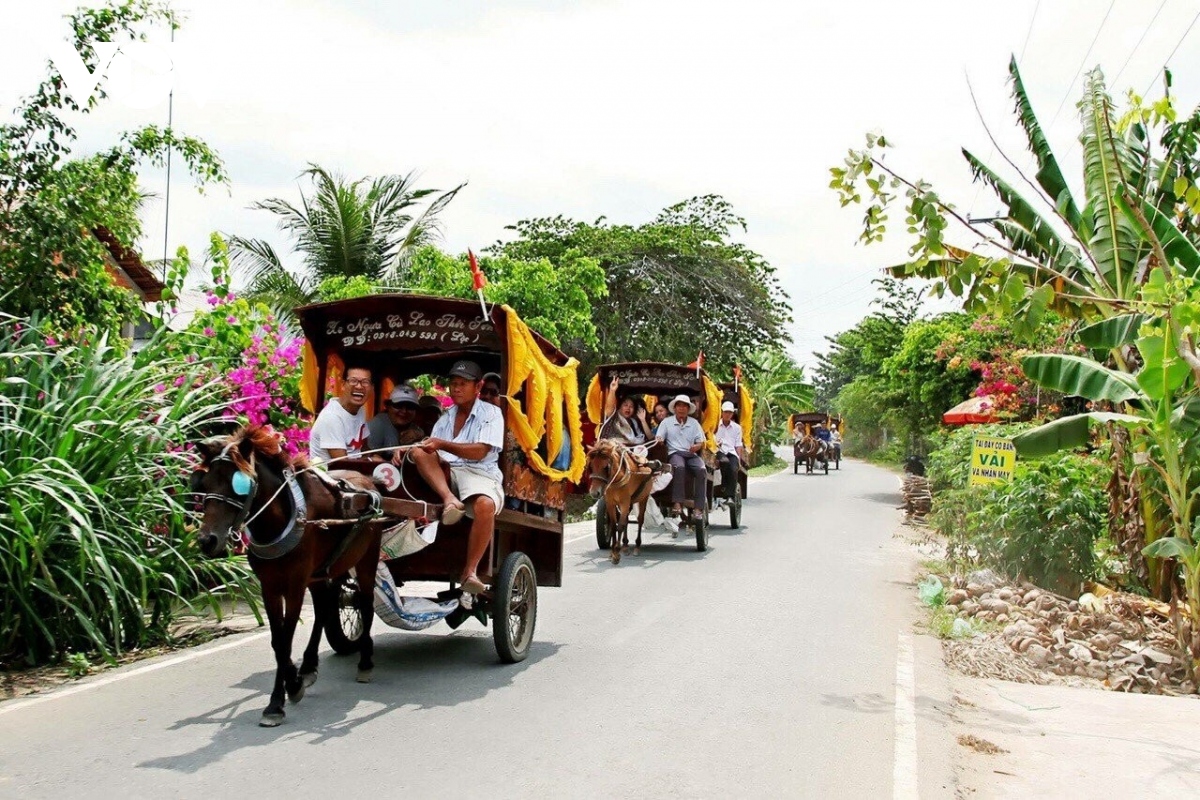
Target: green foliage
(95,552)
(367,228)
(555,299)
(676,285)
(51,205)
(779,390)
(1043,526)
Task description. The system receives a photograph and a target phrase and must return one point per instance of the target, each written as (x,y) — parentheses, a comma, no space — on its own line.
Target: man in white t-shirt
(341,428)
(468,438)
(730,449)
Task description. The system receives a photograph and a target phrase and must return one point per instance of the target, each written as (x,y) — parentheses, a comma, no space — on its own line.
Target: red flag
(698,363)
(737,375)
(477,276)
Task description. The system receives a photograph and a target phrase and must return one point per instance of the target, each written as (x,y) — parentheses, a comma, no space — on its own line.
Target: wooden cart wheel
(698,522)
(735,507)
(514,608)
(344,627)
(603,534)
(826,466)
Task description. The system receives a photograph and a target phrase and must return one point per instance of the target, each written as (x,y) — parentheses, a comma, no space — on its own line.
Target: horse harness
(360,506)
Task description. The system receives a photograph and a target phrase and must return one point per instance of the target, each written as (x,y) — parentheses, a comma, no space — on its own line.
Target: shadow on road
(653,554)
(894,499)
(413,672)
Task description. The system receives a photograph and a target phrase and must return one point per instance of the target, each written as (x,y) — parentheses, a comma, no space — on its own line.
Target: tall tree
(676,285)
(51,204)
(365,228)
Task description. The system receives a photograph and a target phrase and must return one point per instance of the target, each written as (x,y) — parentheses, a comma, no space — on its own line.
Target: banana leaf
(1179,248)
(1067,433)
(1080,377)
(1049,176)
(1113,332)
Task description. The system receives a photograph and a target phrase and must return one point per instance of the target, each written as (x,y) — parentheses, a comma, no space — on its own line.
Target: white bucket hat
(683,398)
(728,406)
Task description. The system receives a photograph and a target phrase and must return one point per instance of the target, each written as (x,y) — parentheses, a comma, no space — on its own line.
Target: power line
(1029,31)
(1082,61)
(992,151)
(1139,42)
(1173,52)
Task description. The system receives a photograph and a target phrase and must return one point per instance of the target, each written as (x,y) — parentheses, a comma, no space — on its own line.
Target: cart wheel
(698,522)
(603,535)
(735,508)
(514,608)
(796,467)
(827,466)
(344,627)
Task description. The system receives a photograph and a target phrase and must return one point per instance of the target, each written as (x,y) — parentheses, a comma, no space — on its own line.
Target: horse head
(228,482)
(603,460)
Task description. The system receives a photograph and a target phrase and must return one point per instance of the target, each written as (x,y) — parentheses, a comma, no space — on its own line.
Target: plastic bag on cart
(406,613)
(405,539)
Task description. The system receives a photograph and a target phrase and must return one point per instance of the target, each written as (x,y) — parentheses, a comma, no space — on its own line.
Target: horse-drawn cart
(807,448)
(657,382)
(409,337)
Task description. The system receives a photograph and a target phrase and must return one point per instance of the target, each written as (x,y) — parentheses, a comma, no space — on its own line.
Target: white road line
(904,767)
(17,705)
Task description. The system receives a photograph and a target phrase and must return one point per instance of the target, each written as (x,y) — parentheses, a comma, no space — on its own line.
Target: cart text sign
(992,460)
(412,330)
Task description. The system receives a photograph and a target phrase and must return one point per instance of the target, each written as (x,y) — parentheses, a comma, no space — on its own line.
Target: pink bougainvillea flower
(160,387)
(231,319)
(180,381)
(209,332)
(51,341)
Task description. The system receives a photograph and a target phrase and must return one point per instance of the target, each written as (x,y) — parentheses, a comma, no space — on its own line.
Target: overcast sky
(621,107)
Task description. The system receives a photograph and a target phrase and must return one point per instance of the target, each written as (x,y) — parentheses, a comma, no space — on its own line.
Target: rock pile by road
(1122,640)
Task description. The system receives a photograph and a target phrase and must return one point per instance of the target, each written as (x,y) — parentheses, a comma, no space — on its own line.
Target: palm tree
(364,228)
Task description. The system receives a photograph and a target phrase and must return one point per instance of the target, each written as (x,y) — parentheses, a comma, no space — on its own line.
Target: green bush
(94,549)
(1043,526)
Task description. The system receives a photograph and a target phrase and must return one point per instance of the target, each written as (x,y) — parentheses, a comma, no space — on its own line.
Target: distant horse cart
(648,382)
(808,448)
(323,532)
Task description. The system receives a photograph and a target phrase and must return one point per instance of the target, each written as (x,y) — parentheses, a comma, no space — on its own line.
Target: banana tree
(1159,407)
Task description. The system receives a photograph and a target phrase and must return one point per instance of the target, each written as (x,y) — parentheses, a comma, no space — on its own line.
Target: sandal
(452,513)
(472,585)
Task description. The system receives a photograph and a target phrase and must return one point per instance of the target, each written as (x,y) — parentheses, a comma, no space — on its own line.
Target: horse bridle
(609,479)
(243,500)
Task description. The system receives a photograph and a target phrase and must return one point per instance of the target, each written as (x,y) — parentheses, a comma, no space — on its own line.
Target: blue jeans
(694,465)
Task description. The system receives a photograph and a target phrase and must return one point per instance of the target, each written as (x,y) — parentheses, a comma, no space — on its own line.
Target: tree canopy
(676,285)
(51,264)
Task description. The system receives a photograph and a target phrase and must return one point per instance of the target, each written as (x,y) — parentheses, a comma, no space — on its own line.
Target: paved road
(765,667)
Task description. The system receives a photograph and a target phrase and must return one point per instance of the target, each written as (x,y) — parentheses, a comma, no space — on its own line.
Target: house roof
(129,262)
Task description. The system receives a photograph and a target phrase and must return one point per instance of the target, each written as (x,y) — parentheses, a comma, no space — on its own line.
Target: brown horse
(246,479)
(624,482)
(810,450)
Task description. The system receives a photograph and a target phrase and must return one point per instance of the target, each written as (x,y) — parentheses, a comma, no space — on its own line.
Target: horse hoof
(297,694)
(637,551)
(271,719)
(615,558)
(308,679)
(363,676)
(625,550)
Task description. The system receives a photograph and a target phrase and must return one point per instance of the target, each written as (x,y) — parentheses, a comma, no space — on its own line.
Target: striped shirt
(485,424)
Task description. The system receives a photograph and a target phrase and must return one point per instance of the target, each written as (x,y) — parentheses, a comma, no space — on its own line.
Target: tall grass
(95,551)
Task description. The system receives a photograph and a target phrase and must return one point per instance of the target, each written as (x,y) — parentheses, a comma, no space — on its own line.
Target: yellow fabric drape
(747,414)
(308,380)
(595,401)
(550,390)
(712,411)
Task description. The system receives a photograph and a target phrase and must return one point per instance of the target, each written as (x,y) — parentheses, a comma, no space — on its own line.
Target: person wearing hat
(397,426)
(468,439)
(490,393)
(729,447)
(684,439)
(429,411)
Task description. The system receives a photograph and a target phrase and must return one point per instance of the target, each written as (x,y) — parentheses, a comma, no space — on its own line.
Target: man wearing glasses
(341,427)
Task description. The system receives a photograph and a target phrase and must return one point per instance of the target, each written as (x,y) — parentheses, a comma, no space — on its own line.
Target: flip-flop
(452,514)
(472,585)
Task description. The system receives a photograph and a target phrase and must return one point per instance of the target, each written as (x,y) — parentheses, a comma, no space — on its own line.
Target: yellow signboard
(992,460)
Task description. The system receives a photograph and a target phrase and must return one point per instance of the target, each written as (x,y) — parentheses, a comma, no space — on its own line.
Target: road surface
(765,667)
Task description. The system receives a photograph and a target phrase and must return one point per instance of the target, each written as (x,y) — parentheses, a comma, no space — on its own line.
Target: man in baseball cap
(730,450)
(397,425)
(468,438)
